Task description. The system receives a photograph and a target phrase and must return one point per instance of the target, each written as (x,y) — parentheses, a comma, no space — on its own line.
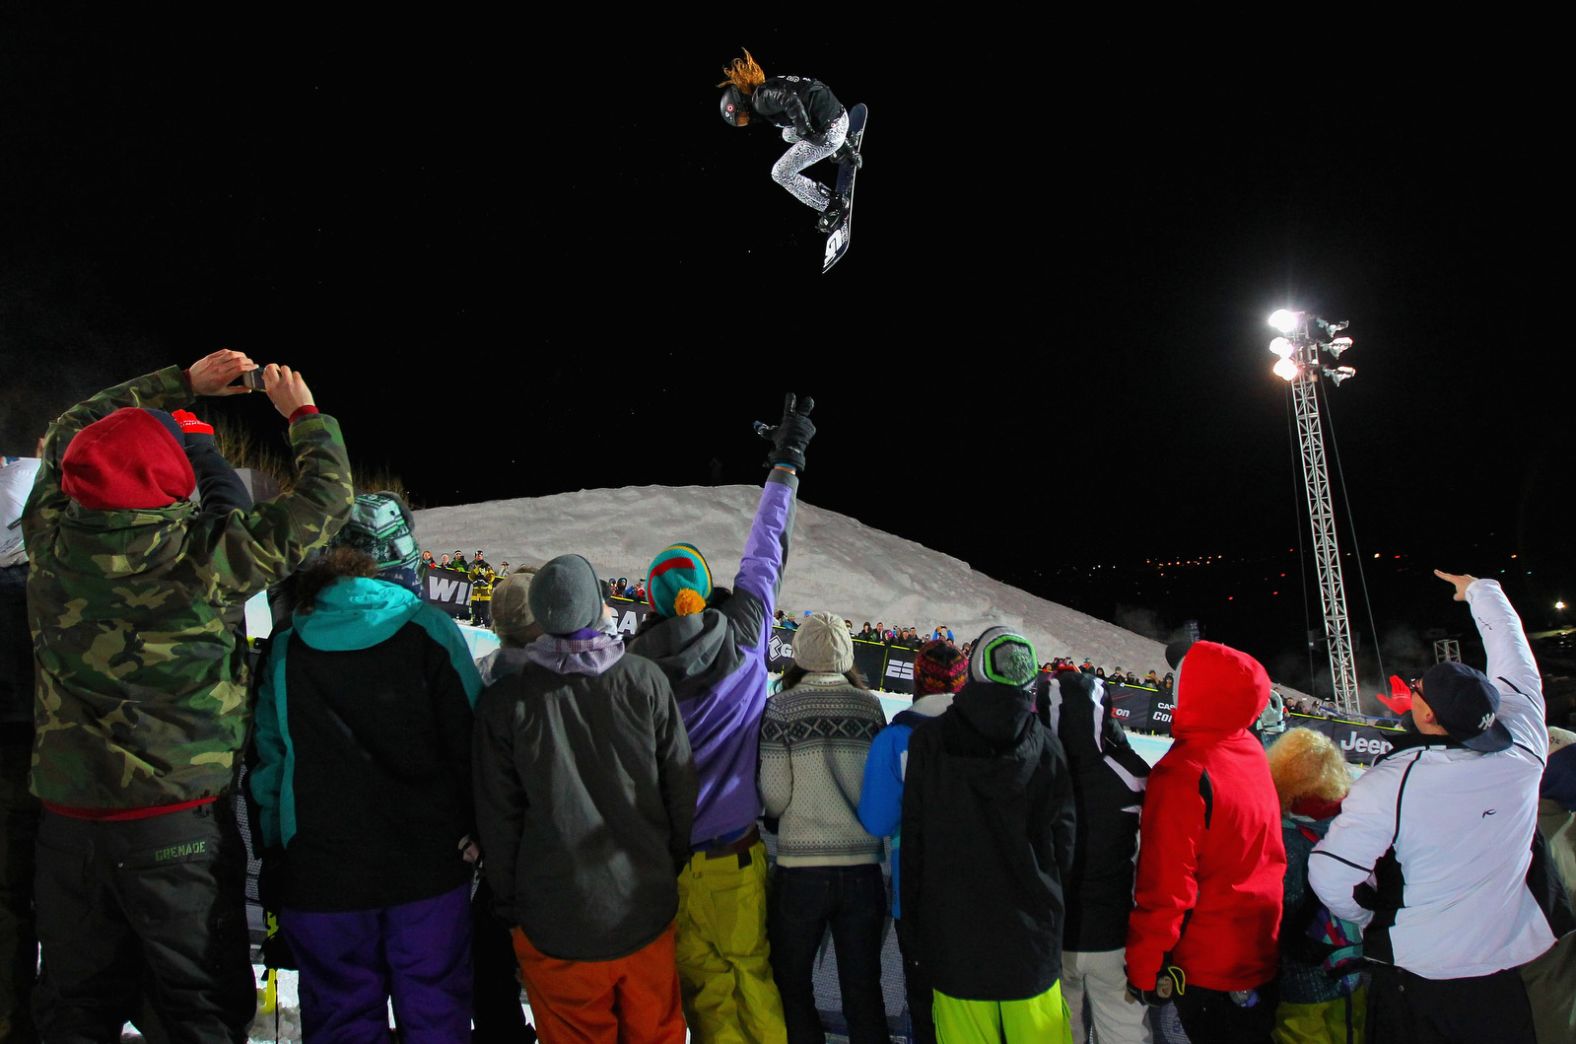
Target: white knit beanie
(822,645)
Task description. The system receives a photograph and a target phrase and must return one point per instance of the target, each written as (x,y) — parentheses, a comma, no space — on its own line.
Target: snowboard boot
(832,217)
(847,155)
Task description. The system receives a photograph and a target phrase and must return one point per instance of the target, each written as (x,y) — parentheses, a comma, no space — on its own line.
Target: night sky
(520,262)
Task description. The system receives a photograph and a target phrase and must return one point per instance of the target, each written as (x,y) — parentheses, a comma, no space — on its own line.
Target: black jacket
(1109,778)
(988,834)
(808,106)
(585,792)
(363,734)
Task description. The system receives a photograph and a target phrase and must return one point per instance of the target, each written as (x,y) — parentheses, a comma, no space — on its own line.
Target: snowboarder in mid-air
(811,118)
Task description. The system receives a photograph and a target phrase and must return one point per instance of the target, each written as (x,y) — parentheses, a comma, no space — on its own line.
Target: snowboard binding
(833,215)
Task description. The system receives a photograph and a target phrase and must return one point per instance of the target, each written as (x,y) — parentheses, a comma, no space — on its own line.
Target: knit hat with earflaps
(679,581)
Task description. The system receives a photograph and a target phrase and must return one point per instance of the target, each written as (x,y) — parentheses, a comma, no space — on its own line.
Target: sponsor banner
(870,661)
(779,650)
(1140,708)
(897,672)
(449,591)
(628,614)
(1362,742)
(883,668)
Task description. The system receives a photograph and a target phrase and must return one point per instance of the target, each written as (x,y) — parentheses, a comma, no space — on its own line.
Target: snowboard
(839,238)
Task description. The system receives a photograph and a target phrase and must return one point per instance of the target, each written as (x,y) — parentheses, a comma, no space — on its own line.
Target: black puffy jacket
(988,837)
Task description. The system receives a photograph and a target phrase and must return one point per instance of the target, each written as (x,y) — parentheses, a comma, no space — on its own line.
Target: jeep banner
(1361,742)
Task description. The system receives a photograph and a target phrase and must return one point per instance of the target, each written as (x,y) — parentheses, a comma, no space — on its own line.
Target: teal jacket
(363,740)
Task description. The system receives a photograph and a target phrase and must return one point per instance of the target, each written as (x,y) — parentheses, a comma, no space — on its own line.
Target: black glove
(817,140)
(792,434)
(1169,985)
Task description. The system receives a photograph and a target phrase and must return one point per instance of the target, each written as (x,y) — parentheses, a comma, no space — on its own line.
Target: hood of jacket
(1000,742)
(122,543)
(1220,691)
(694,651)
(563,655)
(923,709)
(356,612)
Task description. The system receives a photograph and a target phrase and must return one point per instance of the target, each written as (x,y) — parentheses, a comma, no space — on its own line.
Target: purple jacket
(716,663)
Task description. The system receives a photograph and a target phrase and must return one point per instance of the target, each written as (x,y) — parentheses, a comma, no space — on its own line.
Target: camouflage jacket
(141,687)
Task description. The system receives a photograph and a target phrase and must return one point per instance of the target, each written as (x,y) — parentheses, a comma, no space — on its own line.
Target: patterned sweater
(814,738)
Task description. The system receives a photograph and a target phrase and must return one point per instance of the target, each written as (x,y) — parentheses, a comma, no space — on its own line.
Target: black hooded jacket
(1109,778)
(988,834)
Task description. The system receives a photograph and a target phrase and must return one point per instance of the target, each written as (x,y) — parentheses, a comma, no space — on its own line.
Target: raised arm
(1510,664)
(766,548)
(254,549)
(161,389)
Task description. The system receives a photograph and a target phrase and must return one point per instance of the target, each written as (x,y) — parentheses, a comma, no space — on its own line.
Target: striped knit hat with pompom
(679,581)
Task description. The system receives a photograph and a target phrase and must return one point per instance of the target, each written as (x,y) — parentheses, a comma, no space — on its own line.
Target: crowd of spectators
(581,815)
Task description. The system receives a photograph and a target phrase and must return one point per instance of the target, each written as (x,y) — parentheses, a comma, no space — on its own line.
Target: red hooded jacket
(1211,859)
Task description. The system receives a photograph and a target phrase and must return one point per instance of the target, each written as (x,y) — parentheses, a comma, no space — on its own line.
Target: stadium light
(1307,354)
(1284,320)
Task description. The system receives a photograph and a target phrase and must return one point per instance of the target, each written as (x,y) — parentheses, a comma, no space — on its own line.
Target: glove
(818,140)
(792,434)
(1170,984)
(191,426)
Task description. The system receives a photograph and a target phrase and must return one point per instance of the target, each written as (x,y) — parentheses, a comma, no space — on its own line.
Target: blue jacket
(363,735)
(881,798)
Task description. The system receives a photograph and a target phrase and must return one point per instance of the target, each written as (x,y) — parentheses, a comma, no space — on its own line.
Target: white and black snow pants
(786,170)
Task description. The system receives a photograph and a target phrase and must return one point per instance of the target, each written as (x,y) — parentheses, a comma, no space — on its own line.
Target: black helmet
(734,106)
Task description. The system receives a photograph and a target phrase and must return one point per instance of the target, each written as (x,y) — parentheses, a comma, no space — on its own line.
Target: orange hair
(1306,763)
(744,73)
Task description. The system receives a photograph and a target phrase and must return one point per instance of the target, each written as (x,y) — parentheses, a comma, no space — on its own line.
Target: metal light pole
(1301,364)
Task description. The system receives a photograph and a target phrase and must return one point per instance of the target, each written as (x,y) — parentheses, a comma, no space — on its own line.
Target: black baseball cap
(1466,703)
(1176,650)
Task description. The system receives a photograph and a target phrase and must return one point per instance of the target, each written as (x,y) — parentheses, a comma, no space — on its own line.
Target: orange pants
(631,1000)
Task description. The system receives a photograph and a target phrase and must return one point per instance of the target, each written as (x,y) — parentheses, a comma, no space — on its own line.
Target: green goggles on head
(1008,659)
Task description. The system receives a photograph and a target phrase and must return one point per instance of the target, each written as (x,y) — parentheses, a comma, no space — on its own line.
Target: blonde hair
(1306,763)
(744,73)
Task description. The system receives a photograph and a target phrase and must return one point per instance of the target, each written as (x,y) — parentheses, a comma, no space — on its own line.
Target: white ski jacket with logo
(1437,839)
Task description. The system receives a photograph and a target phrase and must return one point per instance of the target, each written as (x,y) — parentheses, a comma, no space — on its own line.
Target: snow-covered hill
(836,562)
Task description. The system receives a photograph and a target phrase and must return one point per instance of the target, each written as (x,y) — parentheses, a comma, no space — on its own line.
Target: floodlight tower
(1303,338)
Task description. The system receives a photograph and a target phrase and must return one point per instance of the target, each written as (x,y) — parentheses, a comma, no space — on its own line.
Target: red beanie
(939,668)
(126,460)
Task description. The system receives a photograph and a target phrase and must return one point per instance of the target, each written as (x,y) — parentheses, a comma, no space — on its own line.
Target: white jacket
(1445,833)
